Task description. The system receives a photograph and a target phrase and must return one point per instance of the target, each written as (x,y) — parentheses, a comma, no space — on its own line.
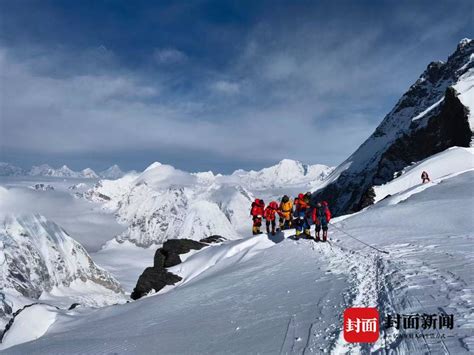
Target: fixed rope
(360,241)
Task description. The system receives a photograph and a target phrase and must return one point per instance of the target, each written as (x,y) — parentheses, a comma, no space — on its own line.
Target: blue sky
(209,85)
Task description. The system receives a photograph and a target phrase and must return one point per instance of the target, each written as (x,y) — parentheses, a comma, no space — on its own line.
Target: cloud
(91,227)
(226,87)
(169,56)
(279,84)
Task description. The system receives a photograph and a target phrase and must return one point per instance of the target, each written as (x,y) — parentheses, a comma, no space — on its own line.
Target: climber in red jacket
(321,217)
(270,216)
(257,210)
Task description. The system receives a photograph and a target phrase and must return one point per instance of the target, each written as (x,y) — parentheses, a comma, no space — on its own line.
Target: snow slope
(29,325)
(440,166)
(262,295)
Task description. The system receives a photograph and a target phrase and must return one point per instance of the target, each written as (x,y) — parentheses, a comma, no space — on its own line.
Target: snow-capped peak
(153,165)
(89,173)
(464,42)
(114,172)
(63,172)
(41,170)
(286,172)
(7,169)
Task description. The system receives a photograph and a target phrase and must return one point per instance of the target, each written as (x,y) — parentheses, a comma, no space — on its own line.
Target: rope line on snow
(360,241)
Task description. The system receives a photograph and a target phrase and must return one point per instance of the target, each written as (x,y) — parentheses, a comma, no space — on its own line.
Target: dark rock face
(159,259)
(448,128)
(73,306)
(157,277)
(172,259)
(181,246)
(399,141)
(213,239)
(153,279)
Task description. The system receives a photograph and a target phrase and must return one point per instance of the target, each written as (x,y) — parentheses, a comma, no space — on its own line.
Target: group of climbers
(299,214)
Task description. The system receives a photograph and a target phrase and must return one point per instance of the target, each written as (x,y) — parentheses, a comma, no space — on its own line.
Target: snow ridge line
(17,312)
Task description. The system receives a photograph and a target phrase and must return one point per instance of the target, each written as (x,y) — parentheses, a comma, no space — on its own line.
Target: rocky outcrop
(42,187)
(429,118)
(153,278)
(157,277)
(448,128)
(213,239)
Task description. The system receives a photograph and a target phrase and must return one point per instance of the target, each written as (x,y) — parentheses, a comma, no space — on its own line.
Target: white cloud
(226,87)
(169,56)
(110,113)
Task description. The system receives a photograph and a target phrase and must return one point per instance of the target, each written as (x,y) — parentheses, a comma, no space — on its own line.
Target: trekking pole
(360,241)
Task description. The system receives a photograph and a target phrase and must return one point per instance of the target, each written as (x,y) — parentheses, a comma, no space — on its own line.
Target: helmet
(285,198)
(300,196)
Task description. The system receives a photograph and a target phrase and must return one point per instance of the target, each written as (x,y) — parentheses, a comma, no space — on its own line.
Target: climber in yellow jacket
(285,212)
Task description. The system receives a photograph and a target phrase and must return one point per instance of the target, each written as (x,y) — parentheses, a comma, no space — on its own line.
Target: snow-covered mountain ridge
(114,172)
(434,114)
(165,203)
(38,257)
(286,173)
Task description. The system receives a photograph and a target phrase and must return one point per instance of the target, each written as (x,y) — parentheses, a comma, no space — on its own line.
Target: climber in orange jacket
(285,213)
(302,214)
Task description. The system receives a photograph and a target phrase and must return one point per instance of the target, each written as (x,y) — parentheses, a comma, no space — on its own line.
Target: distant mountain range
(163,202)
(6,169)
